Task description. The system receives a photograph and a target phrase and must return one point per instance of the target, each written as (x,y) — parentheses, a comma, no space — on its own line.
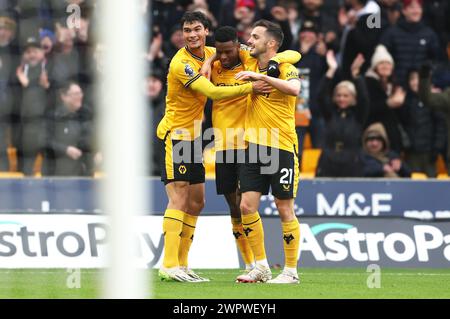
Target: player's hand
(273,69)
(207,68)
(248,76)
(261,87)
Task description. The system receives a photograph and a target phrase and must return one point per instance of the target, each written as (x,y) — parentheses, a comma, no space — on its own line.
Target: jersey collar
(234,67)
(193,55)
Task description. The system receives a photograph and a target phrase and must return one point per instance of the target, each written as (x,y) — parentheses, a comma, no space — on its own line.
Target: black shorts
(227,170)
(181,161)
(269,168)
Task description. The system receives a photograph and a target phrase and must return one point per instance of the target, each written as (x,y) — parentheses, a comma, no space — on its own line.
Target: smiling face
(258,41)
(413,12)
(194,35)
(384,69)
(343,97)
(228,53)
(34,56)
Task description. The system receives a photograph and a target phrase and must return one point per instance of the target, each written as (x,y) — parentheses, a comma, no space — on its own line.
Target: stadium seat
(307,144)
(307,175)
(11,175)
(310,158)
(417,175)
(12,157)
(98,174)
(440,165)
(38,165)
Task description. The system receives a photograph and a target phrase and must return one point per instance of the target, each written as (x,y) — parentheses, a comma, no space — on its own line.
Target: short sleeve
(288,72)
(184,71)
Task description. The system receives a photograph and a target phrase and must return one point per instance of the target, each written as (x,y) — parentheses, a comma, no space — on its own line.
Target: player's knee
(247,207)
(285,208)
(196,206)
(180,198)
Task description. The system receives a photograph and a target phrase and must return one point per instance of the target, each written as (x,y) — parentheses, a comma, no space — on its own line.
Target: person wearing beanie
(344,109)
(385,98)
(377,158)
(410,41)
(48,40)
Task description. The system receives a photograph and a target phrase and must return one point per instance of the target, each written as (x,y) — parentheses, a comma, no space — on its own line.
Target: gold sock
(187,236)
(172,226)
(242,241)
(291,242)
(254,231)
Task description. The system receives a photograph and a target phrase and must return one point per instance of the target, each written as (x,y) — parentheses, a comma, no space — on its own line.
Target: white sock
(263,262)
(249,266)
(291,270)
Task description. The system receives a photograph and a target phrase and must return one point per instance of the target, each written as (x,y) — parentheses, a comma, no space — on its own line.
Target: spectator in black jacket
(385,98)
(410,41)
(70,135)
(155,94)
(8,63)
(378,160)
(436,15)
(33,77)
(438,101)
(345,110)
(312,67)
(390,12)
(327,26)
(176,42)
(422,126)
(359,35)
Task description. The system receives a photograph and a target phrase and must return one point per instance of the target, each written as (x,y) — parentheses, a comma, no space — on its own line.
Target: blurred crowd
(375,79)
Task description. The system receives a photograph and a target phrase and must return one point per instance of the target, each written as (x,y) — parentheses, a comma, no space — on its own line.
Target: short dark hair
(273,29)
(192,16)
(225,34)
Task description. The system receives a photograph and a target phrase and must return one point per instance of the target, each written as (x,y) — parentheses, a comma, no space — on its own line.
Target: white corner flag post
(124,143)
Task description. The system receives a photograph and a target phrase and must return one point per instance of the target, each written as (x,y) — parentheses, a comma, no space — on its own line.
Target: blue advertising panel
(320,197)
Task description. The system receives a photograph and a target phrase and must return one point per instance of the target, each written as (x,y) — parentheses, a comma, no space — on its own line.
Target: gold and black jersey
(184,106)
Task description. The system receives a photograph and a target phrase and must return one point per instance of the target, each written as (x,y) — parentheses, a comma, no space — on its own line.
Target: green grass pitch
(315,283)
